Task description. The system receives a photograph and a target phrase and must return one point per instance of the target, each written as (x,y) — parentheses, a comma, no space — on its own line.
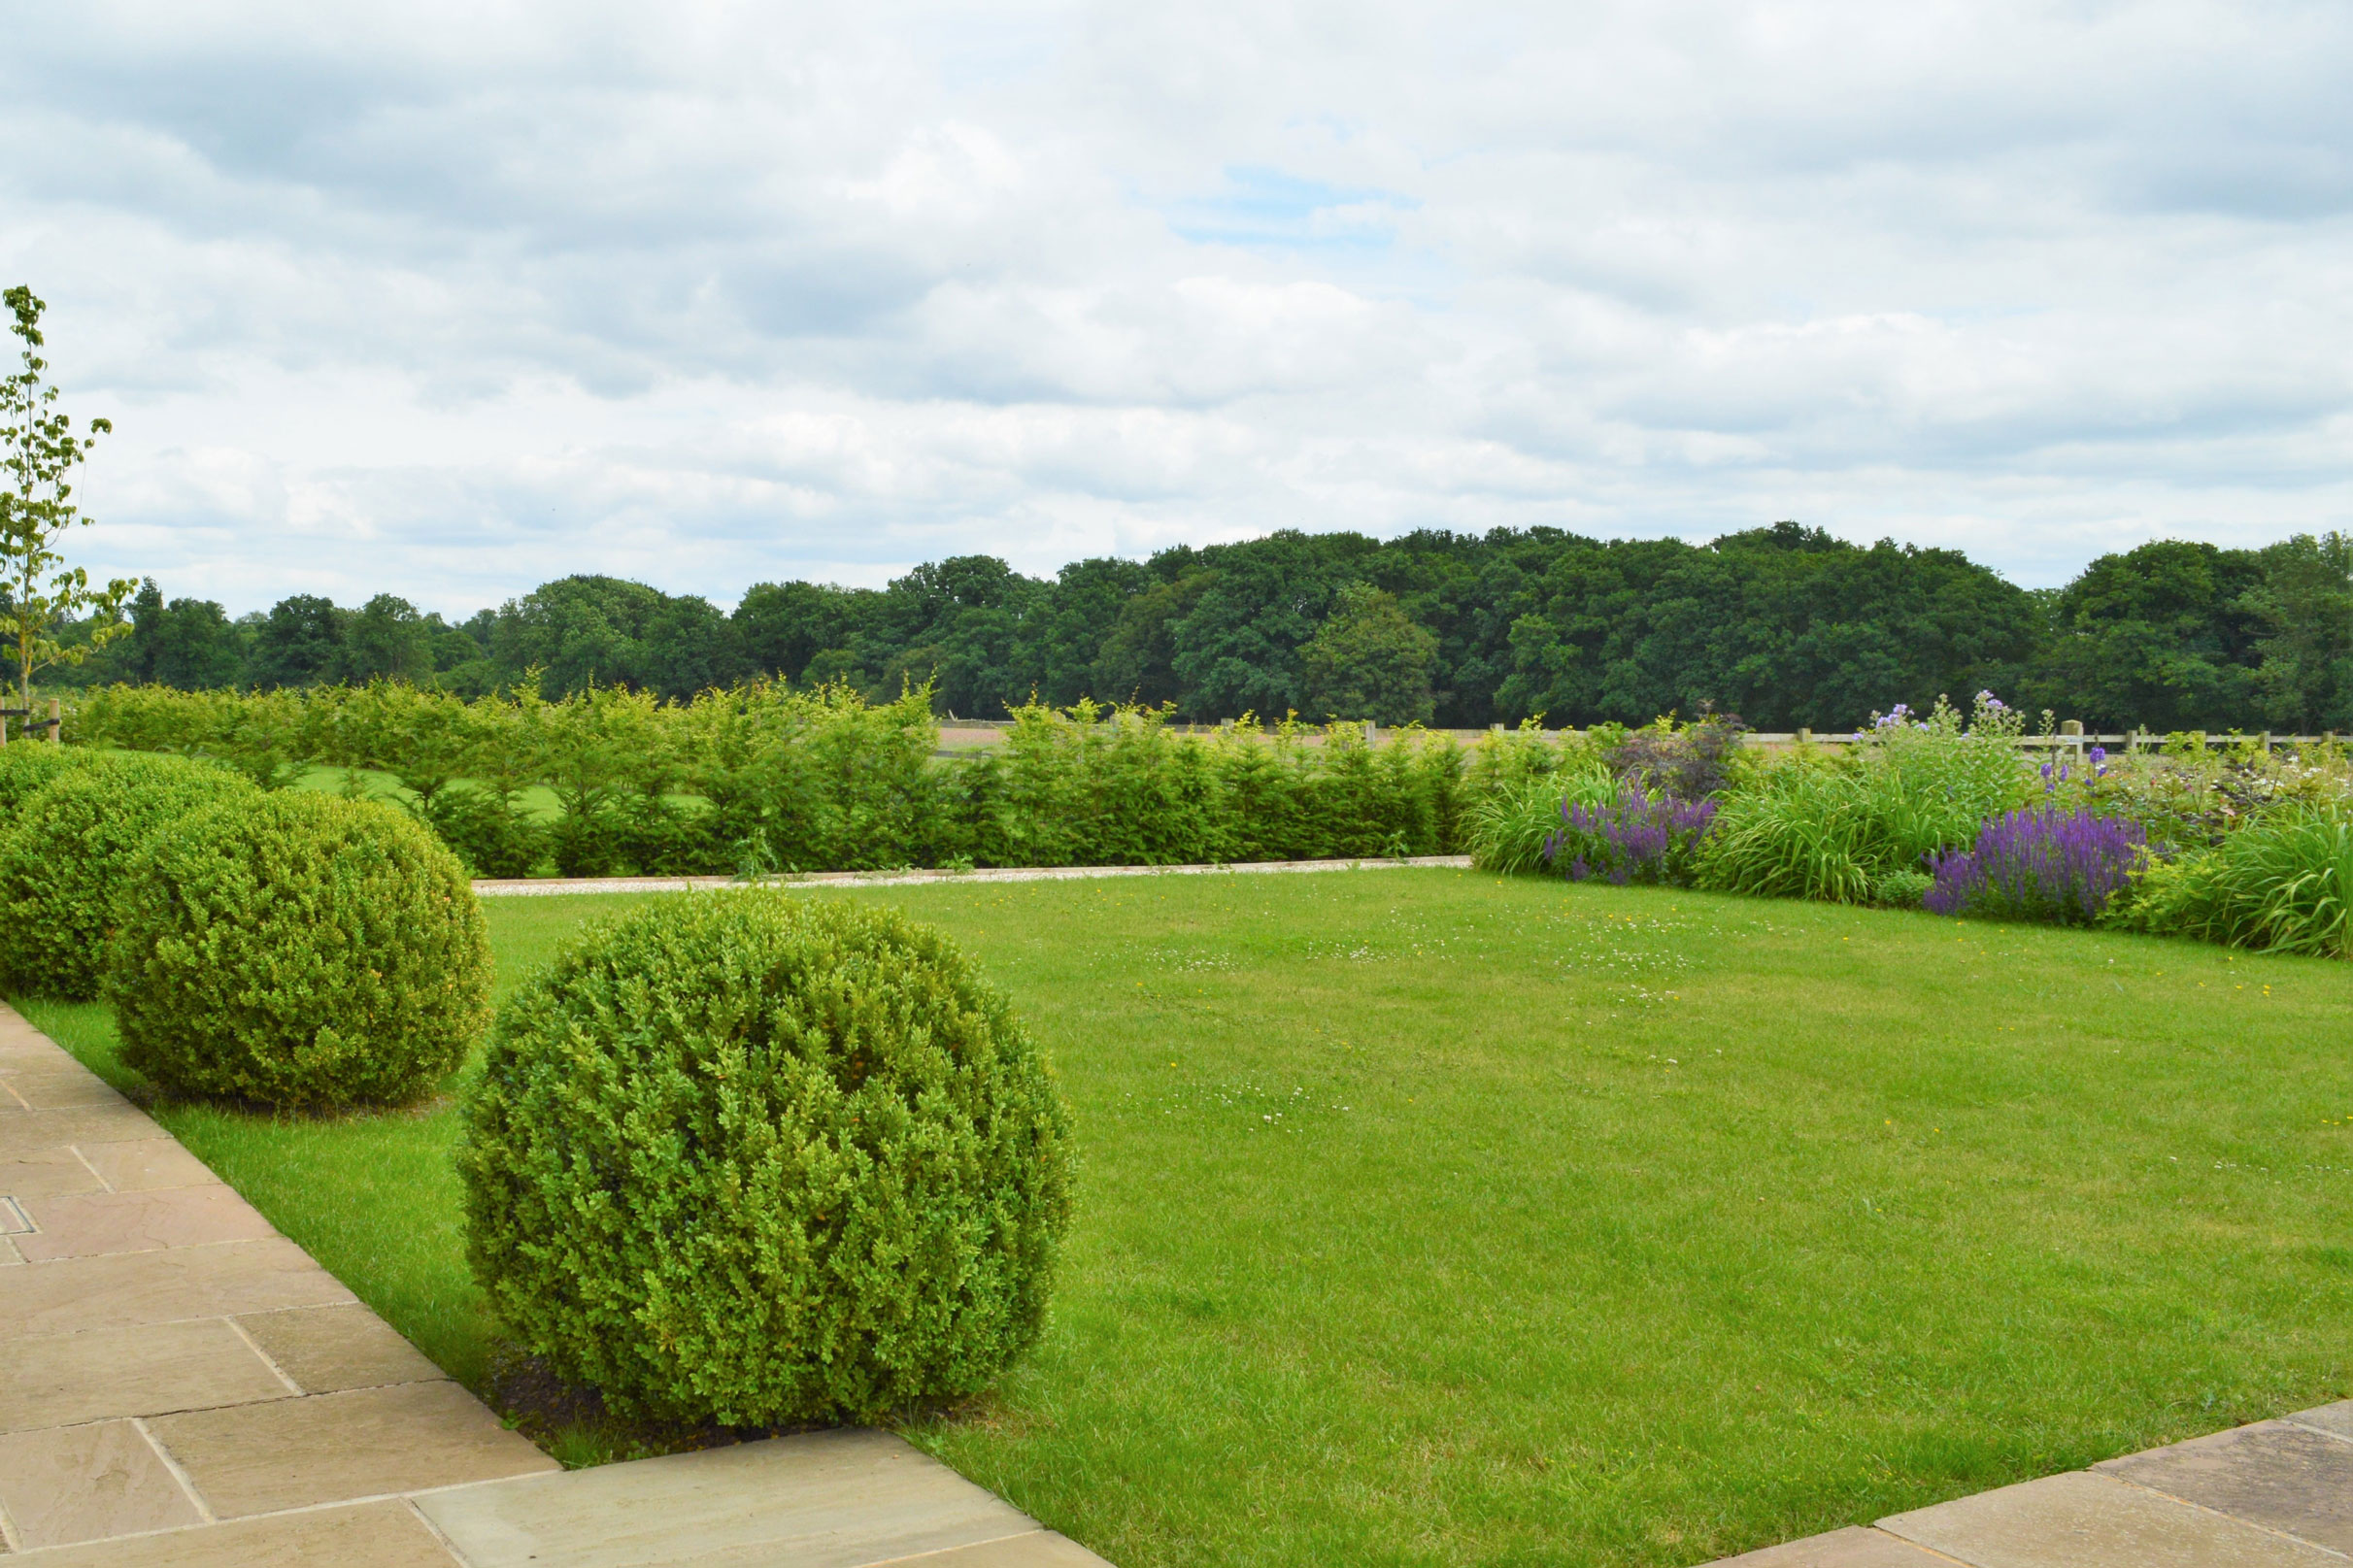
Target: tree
(387,637)
(2163,637)
(782,626)
(577,632)
(1137,661)
(190,645)
(1369,660)
(688,646)
(299,643)
(2306,605)
(1061,641)
(1238,649)
(36,509)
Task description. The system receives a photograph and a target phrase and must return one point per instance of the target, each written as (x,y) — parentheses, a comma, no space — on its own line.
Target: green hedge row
(763,778)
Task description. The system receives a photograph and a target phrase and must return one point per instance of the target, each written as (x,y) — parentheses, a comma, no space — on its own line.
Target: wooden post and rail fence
(52,724)
(2070,736)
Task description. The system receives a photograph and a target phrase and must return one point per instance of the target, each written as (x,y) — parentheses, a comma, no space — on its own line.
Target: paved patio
(180,1385)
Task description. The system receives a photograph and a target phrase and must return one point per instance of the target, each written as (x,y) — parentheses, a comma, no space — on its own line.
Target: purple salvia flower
(2045,864)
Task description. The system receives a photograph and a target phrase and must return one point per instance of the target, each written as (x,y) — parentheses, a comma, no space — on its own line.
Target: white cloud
(449,300)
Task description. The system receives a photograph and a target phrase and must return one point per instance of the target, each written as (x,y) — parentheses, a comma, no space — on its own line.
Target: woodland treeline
(1783,625)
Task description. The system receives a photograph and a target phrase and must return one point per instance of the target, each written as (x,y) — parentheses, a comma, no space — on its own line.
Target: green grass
(1435,1218)
(537,801)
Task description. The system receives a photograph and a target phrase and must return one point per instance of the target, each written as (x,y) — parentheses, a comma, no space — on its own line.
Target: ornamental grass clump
(752,1157)
(299,952)
(1635,836)
(2283,883)
(1512,829)
(1805,833)
(2045,864)
(71,847)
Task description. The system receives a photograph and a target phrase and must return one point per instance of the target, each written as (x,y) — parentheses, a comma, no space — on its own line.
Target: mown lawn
(1428,1217)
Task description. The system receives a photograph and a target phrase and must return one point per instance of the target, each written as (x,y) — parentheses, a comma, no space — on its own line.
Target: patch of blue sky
(1267,208)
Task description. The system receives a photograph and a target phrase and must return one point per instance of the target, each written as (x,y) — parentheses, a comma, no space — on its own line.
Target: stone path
(181,1386)
(2276,1494)
(541,886)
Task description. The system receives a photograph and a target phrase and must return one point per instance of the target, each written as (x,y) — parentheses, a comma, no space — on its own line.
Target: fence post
(1372,732)
(1805,736)
(57,728)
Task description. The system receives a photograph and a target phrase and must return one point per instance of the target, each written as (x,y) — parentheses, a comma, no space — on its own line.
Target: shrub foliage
(25,770)
(300,951)
(70,853)
(749,1158)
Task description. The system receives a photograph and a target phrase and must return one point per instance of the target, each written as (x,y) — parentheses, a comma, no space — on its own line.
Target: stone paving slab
(63,1379)
(2274,1494)
(366,1535)
(23,1132)
(544,886)
(327,1349)
(2277,1473)
(146,1165)
(124,1289)
(1040,1549)
(34,1085)
(264,1459)
(2086,1521)
(94,1223)
(841,1499)
(48,1173)
(2336,1418)
(71,1484)
(1853,1548)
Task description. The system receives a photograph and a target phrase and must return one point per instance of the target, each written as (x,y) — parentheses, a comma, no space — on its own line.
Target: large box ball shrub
(70,852)
(28,768)
(300,951)
(751,1157)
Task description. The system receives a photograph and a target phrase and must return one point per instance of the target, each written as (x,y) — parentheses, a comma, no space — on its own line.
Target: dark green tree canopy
(1784,625)
(1369,660)
(387,637)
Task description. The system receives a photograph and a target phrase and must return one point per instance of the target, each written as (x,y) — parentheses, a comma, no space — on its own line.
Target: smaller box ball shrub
(70,850)
(751,1159)
(298,951)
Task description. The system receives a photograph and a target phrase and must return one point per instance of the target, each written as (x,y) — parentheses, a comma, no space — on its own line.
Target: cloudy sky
(447,300)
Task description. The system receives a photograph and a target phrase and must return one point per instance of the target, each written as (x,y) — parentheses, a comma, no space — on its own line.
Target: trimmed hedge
(298,951)
(750,1158)
(72,849)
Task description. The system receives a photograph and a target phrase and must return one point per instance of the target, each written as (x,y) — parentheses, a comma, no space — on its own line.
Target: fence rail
(2138,740)
(2074,740)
